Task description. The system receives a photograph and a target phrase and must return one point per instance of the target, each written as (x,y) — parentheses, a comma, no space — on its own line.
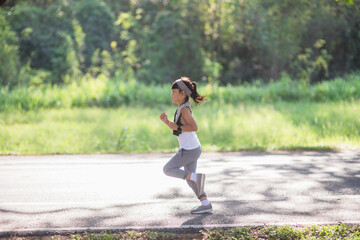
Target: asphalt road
(79,192)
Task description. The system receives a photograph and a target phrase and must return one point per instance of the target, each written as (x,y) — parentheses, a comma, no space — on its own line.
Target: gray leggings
(188,160)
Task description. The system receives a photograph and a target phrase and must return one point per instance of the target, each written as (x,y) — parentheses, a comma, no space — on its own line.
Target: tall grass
(247,126)
(111,93)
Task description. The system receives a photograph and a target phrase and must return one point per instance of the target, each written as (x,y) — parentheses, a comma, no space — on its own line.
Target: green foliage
(310,65)
(242,233)
(126,235)
(287,232)
(280,233)
(44,42)
(341,231)
(223,42)
(97,22)
(168,47)
(102,92)
(211,70)
(125,55)
(351,2)
(261,39)
(9,61)
(79,37)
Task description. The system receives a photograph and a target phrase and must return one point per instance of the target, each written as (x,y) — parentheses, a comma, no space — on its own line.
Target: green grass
(247,126)
(100,92)
(286,232)
(148,235)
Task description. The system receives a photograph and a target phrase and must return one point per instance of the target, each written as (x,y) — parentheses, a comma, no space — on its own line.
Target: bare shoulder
(186,111)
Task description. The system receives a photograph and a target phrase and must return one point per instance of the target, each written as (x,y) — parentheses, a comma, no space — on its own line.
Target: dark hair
(192,85)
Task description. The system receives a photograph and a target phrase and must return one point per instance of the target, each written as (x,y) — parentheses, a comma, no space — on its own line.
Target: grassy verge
(342,231)
(246,126)
(112,93)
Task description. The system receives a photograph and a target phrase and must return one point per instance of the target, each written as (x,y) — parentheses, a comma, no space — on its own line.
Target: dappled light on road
(119,191)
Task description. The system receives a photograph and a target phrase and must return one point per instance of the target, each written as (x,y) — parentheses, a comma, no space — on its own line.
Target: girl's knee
(166,170)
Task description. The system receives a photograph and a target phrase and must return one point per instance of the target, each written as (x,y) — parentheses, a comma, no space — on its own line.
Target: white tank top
(188,140)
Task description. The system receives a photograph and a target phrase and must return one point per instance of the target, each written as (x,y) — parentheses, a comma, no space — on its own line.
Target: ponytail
(195,95)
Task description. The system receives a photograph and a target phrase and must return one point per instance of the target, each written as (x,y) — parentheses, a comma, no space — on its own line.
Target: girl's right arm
(170,124)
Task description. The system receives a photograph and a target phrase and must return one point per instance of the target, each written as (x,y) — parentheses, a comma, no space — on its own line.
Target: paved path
(130,191)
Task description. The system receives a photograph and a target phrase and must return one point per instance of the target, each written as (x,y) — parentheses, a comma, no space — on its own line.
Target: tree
(45,41)
(9,61)
(97,22)
(170,50)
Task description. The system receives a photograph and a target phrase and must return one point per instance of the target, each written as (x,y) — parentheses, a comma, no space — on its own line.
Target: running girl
(184,127)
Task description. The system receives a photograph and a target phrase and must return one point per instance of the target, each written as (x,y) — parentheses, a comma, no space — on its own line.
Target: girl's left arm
(189,123)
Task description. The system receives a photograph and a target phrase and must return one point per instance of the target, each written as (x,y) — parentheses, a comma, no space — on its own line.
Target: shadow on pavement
(250,187)
(198,220)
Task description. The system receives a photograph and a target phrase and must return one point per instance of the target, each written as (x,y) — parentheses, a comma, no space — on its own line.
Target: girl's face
(177,96)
